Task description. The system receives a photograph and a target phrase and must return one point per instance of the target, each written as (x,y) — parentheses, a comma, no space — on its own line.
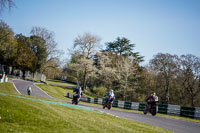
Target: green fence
(115,103)
(88,99)
(142,106)
(127,105)
(188,112)
(96,100)
(162,108)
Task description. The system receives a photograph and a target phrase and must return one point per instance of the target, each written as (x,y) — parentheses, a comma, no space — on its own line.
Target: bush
(96,92)
(99,91)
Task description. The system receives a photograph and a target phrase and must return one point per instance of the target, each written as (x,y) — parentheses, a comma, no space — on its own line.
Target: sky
(167,26)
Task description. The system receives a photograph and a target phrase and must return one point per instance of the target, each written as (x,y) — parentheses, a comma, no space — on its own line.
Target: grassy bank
(24,115)
(56,91)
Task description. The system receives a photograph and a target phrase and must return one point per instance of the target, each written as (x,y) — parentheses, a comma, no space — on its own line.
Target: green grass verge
(60,82)
(56,91)
(17,115)
(60,92)
(10,78)
(7,87)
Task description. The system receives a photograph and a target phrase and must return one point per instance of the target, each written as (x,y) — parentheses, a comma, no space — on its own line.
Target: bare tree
(105,71)
(48,36)
(190,75)
(52,52)
(6,4)
(165,64)
(86,46)
(125,70)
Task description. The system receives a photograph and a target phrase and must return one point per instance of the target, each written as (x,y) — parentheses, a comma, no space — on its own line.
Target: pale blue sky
(167,26)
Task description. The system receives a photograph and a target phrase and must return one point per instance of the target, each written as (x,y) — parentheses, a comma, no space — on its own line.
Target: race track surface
(178,126)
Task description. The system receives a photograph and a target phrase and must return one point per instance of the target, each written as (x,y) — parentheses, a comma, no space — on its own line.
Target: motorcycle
(108,103)
(75,99)
(152,108)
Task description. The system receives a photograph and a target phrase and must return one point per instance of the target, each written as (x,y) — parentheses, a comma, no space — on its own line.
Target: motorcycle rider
(29,90)
(151,100)
(78,92)
(110,95)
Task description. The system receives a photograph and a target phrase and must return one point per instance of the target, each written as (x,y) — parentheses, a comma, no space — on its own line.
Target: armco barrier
(162,108)
(96,100)
(103,101)
(100,101)
(174,110)
(135,106)
(187,112)
(142,106)
(191,112)
(127,105)
(90,100)
(120,104)
(70,95)
(197,113)
(115,104)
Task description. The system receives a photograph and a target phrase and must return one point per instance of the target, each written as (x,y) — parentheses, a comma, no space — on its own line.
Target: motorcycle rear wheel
(153,111)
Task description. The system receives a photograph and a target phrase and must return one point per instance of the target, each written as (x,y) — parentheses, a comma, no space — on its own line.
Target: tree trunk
(84,79)
(23,75)
(12,72)
(124,97)
(167,93)
(192,100)
(33,75)
(125,90)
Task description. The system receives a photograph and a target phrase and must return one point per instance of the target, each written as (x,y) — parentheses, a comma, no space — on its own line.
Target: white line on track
(16,88)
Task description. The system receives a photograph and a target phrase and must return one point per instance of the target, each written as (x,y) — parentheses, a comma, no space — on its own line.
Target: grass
(60,92)
(60,82)
(56,91)
(17,115)
(10,78)
(7,87)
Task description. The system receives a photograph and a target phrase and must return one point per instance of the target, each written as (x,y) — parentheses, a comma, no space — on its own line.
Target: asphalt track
(178,126)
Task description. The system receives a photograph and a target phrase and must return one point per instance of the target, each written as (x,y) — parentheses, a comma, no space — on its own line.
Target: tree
(34,46)
(190,75)
(38,47)
(25,58)
(103,63)
(86,47)
(54,71)
(51,47)
(126,75)
(7,44)
(6,4)
(124,65)
(123,47)
(165,65)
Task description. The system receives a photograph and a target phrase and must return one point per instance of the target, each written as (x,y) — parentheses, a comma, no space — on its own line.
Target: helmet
(153,93)
(111,91)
